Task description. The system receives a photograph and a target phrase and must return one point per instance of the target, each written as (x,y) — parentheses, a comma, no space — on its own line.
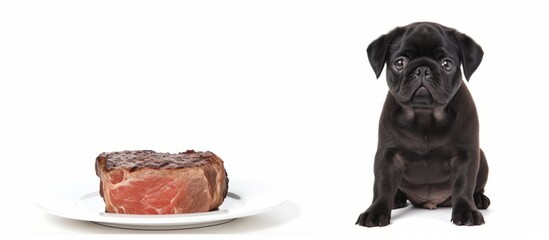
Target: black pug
(428,145)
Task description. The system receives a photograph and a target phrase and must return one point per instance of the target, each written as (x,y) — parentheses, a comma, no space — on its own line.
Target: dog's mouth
(422,97)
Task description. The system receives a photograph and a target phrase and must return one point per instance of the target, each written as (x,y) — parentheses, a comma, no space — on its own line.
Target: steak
(147,182)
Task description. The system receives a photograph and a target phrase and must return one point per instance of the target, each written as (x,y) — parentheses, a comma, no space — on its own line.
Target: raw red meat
(146,182)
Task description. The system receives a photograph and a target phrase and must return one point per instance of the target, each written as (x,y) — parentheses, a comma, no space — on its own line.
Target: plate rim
(257,198)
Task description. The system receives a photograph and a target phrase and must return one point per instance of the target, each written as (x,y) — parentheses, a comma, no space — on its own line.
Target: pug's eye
(447,65)
(400,63)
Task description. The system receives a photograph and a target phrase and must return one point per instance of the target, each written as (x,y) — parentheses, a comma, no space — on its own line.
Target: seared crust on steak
(133,160)
(147,182)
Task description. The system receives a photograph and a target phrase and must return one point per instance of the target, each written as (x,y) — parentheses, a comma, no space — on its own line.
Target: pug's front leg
(388,172)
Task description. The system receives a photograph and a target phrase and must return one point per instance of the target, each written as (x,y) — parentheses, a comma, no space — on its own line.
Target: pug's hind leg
(400,200)
(481,200)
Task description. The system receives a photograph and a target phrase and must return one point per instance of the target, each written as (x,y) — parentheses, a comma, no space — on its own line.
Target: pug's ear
(377,50)
(470,54)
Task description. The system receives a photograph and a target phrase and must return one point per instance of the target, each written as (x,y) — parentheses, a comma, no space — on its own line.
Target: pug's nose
(422,71)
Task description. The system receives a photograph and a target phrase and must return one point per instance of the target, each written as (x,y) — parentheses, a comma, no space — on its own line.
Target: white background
(281,90)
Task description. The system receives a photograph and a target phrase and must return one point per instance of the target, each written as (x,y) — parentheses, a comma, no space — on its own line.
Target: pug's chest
(426,180)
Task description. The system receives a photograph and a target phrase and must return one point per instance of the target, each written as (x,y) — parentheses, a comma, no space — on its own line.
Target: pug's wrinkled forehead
(424,40)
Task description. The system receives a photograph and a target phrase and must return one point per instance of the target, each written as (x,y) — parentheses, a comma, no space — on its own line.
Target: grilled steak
(147,182)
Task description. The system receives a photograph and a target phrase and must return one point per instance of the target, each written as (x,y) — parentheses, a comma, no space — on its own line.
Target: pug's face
(424,63)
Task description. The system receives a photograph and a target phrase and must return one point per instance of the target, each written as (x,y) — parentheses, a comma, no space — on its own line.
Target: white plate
(82,202)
